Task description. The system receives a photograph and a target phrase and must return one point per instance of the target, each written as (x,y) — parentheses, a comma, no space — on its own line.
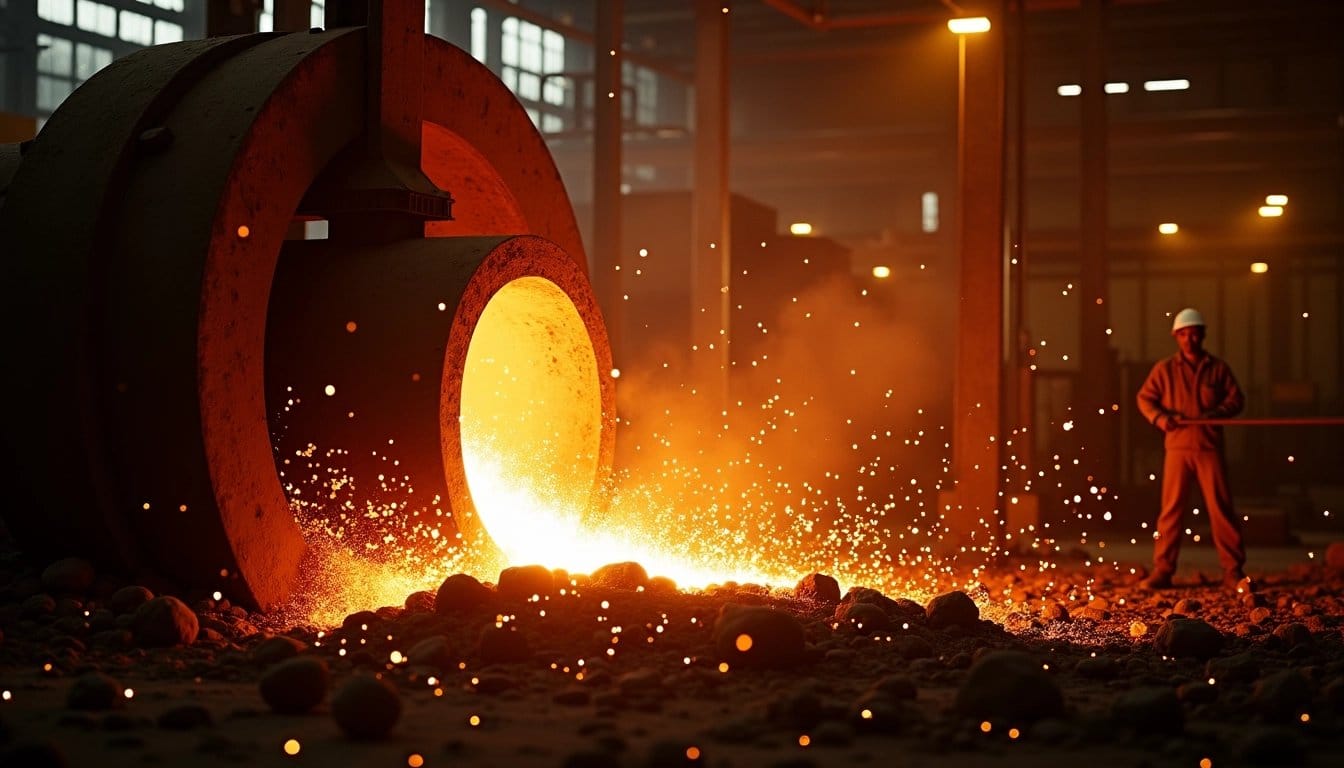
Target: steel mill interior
(633,383)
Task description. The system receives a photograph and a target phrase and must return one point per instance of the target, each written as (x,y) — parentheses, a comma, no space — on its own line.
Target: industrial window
(478,34)
(643,108)
(527,52)
(167,32)
(57,11)
(266,17)
(317,14)
(54,71)
(929,212)
(98,18)
(136,28)
(169,5)
(89,59)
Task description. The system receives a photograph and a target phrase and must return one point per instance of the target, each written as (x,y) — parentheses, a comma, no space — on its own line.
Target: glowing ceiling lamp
(800,228)
(1168,228)
(968,26)
(1179,84)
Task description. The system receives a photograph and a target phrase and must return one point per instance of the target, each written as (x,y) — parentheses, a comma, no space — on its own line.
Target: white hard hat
(1186,318)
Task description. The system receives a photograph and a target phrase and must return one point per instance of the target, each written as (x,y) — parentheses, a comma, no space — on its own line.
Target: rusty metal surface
(138,303)
(198,420)
(474,109)
(9,163)
(58,233)
(366,321)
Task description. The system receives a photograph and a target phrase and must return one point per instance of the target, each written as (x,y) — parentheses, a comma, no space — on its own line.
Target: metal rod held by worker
(1270,422)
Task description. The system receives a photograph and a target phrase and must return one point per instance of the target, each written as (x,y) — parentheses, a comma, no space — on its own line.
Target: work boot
(1157,580)
(1237,583)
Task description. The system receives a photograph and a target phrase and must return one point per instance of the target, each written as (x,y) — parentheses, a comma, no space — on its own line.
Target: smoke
(831,448)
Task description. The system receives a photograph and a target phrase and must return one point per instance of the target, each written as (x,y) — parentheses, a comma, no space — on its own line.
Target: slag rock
(952,609)
(757,636)
(366,707)
(1009,685)
(1192,638)
(164,621)
(521,582)
(819,588)
(461,592)
(276,649)
(127,599)
(626,576)
(70,576)
(95,692)
(864,617)
(295,686)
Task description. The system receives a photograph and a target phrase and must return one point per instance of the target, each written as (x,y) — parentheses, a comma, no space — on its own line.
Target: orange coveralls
(1206,389)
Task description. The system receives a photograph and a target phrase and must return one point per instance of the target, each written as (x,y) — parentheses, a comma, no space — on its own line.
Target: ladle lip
(513,259)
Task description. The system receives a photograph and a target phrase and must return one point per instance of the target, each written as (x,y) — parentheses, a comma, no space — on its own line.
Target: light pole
(975,505)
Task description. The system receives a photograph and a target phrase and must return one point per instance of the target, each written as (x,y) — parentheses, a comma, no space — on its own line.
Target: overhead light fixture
(1278,200)
(1117,87)
(881,271)
(800,228)
(1271,211)
(1168,228)
(969,25)
(1179,84)
(1071,89)
(1259,267)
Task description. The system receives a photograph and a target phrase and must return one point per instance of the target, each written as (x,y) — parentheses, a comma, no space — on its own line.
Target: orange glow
(969,25)
(804,740)
(243,231)
(743,643)
(692,753)
(292,747)
(415,761)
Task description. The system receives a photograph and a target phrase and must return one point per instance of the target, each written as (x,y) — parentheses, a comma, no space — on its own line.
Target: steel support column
(607,138)
(710,218)
(231,17)
(973,517)
(292,15)
(1096,378)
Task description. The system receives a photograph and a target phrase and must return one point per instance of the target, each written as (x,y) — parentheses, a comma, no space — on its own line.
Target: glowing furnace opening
(531,419)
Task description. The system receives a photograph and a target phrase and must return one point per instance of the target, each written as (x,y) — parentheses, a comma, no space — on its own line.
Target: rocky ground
(618,669)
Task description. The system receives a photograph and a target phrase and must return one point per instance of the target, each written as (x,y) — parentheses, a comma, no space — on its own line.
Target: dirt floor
(620,670)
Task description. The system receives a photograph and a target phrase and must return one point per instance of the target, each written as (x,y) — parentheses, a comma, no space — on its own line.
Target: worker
(1193,384)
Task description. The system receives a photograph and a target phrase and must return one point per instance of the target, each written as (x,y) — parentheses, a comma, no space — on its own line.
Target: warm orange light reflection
(969,25)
